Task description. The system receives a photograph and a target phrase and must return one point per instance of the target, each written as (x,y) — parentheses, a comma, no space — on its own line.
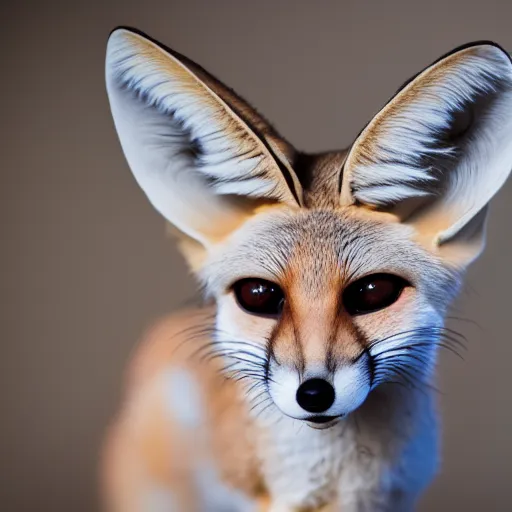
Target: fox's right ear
(202,155)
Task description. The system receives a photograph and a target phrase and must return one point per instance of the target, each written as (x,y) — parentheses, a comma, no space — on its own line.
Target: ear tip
(117,39)
(123,31)
(123,35)
(495,49)
(121,44)
(487,48)
(124,42)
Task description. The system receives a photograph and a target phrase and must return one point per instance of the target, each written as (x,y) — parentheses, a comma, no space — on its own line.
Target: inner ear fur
(202,155)
(437,153)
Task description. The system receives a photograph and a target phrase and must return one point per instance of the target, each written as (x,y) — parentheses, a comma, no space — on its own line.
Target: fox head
(331,273)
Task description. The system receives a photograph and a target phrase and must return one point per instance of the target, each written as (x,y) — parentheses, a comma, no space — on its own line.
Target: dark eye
(372,293)
(259,296)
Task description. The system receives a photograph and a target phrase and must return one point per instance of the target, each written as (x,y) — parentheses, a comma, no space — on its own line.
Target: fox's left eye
(259,296)
(373,292)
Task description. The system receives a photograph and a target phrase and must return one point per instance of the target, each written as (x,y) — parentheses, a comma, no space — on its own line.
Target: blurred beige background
(85,264)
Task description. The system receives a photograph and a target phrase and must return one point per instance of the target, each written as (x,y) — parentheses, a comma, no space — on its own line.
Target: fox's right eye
(259,296)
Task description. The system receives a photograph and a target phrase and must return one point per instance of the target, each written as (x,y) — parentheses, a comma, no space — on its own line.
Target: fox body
(303,384)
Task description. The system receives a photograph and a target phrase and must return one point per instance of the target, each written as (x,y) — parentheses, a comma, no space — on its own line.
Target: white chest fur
(301,465)
(379,458)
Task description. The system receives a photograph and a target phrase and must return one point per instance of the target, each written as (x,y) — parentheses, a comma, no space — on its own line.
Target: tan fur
(144,435)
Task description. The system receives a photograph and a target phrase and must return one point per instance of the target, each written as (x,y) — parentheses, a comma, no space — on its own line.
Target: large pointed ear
(439,150)
(202,155)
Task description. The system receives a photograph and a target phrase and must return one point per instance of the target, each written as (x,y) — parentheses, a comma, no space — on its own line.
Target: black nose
(315,395)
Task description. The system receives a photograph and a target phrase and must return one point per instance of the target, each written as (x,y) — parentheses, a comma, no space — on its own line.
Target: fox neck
(287,451)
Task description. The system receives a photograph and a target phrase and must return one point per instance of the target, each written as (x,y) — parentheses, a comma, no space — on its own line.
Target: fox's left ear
(437,153)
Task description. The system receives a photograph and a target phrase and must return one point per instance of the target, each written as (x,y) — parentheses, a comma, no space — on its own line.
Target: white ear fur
(408,153)
(190,152)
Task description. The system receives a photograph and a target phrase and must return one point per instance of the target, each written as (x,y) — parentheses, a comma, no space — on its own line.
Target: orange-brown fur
(314,334)
(146,431)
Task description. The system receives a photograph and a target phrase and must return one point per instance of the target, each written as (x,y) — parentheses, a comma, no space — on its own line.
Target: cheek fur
(402,338)
(242,341)
(399,325)
(233,324)
(242,337)
(403,315)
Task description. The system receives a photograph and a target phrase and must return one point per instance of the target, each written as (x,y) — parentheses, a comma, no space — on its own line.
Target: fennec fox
(305,384)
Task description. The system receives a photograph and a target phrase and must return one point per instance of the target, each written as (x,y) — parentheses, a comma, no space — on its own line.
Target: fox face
(331,273)
(334,296)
